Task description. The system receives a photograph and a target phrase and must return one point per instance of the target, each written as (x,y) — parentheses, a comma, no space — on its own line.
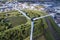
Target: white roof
(46,5)
(3,7)
(58,7)
(59,25)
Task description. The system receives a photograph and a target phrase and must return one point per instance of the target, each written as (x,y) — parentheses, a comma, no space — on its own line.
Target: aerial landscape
(29,19)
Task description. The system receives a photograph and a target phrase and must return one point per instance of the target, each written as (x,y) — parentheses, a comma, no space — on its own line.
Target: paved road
(54,33)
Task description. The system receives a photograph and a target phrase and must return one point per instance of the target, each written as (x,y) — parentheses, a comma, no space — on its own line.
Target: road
(54,33)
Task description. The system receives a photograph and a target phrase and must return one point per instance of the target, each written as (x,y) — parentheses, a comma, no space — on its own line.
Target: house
(57,9)
(57,15)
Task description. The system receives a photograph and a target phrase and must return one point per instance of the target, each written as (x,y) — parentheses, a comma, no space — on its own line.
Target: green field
(17,20)
(10,21)
(38,23)
(10,14)
(18,27)
(55,26)
(34,13)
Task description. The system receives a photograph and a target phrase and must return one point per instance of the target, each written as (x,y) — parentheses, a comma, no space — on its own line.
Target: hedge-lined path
(54,33)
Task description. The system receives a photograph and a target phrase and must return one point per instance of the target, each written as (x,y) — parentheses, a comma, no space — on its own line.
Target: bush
(16,33)
(4,24)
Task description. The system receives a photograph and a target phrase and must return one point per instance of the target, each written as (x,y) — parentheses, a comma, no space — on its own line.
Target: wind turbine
(32,20)
(32,24)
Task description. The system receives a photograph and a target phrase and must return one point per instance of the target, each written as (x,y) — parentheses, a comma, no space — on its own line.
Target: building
(12,0)
(34,0)
(57,18)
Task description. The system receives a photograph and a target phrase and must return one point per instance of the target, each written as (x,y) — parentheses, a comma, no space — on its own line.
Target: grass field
(14,17)
(34,13)
(38,27)
(17,20)
(10,14)
(21,26)
(55,26)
